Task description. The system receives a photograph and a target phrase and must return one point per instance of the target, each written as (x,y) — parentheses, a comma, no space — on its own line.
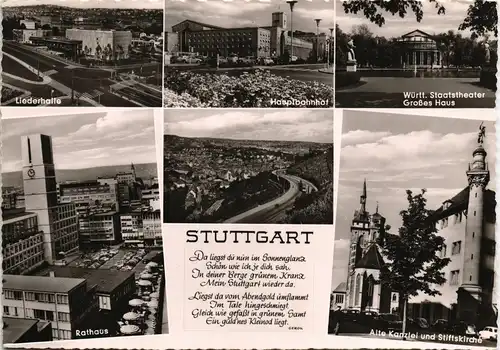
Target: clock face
(31,173)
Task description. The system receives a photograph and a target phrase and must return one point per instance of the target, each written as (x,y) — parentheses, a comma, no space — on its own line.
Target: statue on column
(351,55)
(481,134)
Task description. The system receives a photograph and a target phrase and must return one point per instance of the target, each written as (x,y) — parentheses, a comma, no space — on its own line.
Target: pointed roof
(341,288)
(372,259)
(417,31)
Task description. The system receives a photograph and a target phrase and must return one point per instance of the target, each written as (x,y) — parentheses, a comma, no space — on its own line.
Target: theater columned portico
(419,49)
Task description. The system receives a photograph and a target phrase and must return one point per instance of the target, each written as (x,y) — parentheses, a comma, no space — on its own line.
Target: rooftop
(57,40)
(460,201)
(105,280)
(15,328)
(10,214)
(341,288)
(41,283)
(372,259)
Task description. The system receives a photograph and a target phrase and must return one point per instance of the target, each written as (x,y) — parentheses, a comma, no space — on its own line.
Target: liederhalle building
(467,223)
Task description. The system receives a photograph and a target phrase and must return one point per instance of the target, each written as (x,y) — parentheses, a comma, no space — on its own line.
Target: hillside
(317,168)
(174,141)
(149,170)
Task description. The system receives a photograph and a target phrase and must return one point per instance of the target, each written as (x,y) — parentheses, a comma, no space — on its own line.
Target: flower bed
(173,100)
(250,89)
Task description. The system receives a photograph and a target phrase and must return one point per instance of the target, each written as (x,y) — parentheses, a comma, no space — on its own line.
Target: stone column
(414,58)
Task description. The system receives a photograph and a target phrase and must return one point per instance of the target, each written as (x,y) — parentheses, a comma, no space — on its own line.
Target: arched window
(357,290)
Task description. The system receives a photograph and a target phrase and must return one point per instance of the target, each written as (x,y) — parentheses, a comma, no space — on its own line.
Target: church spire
(362,199)
(376,210)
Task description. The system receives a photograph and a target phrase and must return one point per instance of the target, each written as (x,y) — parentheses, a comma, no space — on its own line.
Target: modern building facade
(22,242)
(64,302)
(101,228)
(419,49)
(24,35)
(151,221)
(58,223)
(467,223)
(267,41)
(102,43)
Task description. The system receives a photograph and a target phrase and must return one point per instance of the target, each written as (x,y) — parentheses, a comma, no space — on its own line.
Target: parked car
(464,328)
(489,333)
(389,322)
(440,325)
(266,61)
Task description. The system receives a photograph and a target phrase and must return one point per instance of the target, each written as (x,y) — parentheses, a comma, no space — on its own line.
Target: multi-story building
(113,290)
(57,222)
(467,224)
(22,242)
(131,227)
(25,35)
(151,222)
(151,197)
(245,41)
(9,198)
(111,43)
(65,302)
(88,195)
(101,228)
(266,41)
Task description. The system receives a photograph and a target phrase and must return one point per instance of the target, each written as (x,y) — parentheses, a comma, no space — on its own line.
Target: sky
(432,23)
(84,140)
(247,13)
(122,4)
(421,152)
(277,125)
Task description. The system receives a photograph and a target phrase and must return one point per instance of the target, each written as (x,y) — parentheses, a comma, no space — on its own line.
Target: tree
(482,18)
(413,263)
(373,9)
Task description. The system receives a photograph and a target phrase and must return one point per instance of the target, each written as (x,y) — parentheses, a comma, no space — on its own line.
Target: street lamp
(292,4)
(330,47)
(318,20)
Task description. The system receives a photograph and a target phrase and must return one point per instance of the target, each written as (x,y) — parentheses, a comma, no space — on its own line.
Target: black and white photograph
(259,166)
(228,54)
(416,54)
(82,53)
(81,226)
(415,228)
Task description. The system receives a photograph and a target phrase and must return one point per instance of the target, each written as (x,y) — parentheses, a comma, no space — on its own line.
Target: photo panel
(88,53)
(81,225)
(248,202)
(255,167)
(244,54)
(415,55)
(414,246)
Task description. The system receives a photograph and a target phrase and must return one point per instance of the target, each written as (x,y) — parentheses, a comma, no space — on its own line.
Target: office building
(64,302)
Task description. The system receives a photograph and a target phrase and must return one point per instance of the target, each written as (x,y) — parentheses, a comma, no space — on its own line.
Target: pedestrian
(336,320)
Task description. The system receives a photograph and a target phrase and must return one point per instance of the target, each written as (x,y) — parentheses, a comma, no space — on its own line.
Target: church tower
(478,175)
(40,189)
(359,227)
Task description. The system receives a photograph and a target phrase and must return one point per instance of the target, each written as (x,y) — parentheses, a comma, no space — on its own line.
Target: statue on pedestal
(487,53)
(351,56)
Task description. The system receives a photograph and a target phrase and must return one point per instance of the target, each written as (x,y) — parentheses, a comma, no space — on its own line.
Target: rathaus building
(467,223)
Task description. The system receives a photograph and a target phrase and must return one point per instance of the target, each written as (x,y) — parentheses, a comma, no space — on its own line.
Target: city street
(92,83)
(387,92)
